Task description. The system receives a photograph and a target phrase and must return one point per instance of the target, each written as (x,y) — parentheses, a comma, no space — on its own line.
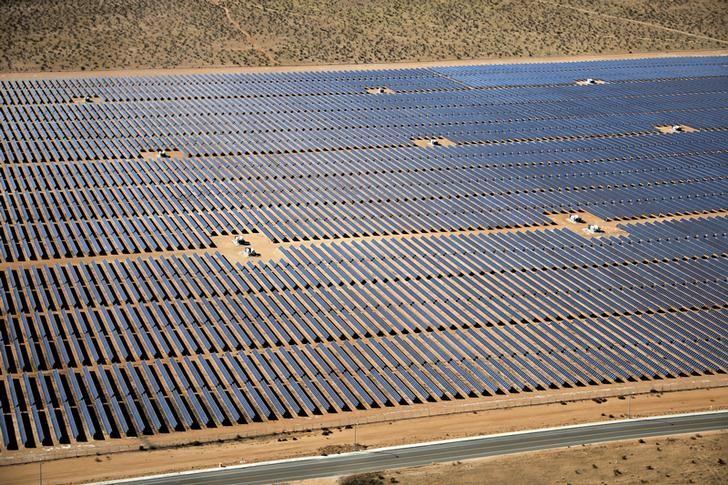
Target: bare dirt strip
(10,76)
(680,459)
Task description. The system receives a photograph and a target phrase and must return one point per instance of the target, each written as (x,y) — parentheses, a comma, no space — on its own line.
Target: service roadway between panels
(398,281)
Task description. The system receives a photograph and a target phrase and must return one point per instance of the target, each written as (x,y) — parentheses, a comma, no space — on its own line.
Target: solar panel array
(399,281)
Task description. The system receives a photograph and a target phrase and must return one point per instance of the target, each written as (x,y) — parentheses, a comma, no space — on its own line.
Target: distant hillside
(117,34)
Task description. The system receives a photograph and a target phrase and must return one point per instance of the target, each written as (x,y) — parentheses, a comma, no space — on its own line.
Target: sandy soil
(40,35)
(108,466)
(670,129)
(586,82)
(264,247)
(696,458)
(438,142)
(7,76)
(155,154)
(607,228)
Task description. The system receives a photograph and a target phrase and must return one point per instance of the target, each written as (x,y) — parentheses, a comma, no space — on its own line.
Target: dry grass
(700,17)
(683,459)
(88,34)
(47,35)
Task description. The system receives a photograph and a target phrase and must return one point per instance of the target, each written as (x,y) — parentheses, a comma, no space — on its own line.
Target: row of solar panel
(615,288)
(170,122)
(254,125)
(404,321)
(277,312)
(222,389)
(89,337)
(51,91)
(435,84)
(616,64)
(124,332)
(354,138)
(271,122)
(505,160)
(90,235)
(290,223)
(687,229)
(524,74)
(114,202)
(708,232)
(539,249)
(357,75)
(172,91)
(233,78)
(242,107)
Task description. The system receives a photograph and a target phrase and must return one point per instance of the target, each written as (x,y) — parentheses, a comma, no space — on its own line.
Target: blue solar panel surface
(406,273)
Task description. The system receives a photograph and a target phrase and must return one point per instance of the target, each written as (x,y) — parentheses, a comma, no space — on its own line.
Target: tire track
(638,22)
(254,45)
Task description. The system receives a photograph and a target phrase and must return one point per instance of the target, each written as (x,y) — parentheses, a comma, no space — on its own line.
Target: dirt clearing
(681,459)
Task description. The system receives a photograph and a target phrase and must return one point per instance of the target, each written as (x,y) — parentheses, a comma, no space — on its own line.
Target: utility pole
(629,407)
(354,436)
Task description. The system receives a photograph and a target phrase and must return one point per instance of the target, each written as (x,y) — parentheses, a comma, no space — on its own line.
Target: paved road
(443,451)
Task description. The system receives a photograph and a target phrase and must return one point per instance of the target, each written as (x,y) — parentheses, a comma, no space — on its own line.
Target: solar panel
(404,271)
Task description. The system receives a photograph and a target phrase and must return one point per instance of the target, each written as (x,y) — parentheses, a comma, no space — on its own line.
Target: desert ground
(75,35)
(107,466)
(682,459)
